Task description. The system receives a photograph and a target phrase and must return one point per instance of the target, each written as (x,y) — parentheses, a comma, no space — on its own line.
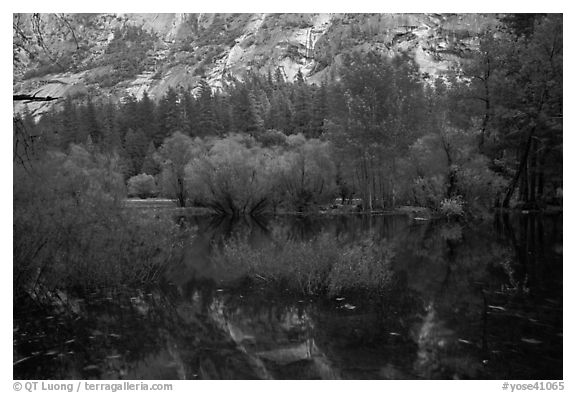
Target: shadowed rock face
(184,48)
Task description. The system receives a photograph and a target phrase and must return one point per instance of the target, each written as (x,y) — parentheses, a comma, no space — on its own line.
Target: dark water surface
(481,301)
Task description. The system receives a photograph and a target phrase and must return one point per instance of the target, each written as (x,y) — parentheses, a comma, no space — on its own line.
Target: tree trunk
(523,197)
(541,178)
(533,174)
(486,114)
(180,193)
(521,168)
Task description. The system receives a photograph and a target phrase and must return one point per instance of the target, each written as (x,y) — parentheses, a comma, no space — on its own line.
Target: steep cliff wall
(112,55)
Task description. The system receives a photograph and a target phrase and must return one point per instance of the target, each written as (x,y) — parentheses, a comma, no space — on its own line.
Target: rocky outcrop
(223,47)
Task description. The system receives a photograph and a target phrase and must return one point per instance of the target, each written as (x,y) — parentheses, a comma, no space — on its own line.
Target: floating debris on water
(22,360)
(91,367)
(531,341)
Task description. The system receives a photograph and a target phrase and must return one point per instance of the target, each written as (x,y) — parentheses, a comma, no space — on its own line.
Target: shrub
(428,191)
(142,186)
(452,207)
(479,185)
(71,231)
(325,265)
(271,138)
(238,176)
(234,177)
(362,266)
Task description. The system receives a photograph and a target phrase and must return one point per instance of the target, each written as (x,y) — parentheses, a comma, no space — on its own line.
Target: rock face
(112,55)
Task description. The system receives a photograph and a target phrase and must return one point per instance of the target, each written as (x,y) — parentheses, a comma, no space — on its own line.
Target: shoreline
(415,212)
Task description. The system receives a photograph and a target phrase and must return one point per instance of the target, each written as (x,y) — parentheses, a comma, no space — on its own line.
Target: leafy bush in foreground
(70,229)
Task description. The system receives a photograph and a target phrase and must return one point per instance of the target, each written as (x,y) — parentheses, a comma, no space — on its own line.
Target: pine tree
(207,122)
(188,112)
(279,77)
(299,79)
(279,114)
(111,140)
(222,108)
(302,113)
(146,119)
(245,115)
(69,124)
(48,127)
(150,166)
(319,110)
(89,123)
(168,116)
(127,116)
(136,146)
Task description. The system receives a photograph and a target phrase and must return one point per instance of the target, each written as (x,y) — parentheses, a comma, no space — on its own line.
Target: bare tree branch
(29,98)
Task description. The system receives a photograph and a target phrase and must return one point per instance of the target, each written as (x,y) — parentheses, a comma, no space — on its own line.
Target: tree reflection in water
(465,301)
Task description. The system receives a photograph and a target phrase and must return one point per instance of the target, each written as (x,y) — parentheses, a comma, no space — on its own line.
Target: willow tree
(234,176)
(176,152)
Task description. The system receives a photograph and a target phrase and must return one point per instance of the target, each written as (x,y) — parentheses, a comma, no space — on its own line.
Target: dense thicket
(71,229)
(488,136)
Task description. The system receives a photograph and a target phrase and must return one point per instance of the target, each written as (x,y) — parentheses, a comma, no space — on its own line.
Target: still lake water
(481,301)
